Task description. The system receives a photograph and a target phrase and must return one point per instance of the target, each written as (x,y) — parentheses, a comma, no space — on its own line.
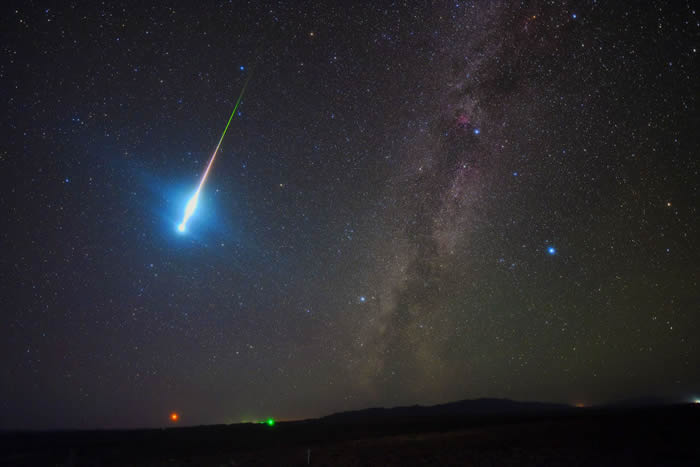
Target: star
(551,251)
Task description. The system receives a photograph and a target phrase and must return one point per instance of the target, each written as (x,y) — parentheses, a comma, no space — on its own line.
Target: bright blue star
(363,299)
(515,174)
(242,68)
(551,250)
(477,131)
(573,16)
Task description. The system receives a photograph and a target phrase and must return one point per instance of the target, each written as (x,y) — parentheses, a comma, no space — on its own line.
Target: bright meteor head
(191,206)
(189,210)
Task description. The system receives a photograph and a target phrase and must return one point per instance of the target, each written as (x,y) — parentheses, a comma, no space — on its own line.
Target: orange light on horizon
(174,417)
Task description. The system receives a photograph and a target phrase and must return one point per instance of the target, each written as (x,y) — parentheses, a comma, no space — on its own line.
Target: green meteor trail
(192,203)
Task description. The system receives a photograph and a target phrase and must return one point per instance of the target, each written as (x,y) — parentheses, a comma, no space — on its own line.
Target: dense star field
(415,203)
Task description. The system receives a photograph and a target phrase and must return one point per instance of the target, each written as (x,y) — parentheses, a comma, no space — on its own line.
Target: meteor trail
(192,203)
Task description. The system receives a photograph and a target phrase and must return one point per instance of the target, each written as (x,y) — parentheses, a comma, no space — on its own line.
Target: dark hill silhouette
(482,431)
(471,407)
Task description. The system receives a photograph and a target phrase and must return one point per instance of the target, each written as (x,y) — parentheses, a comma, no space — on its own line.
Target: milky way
(417,204)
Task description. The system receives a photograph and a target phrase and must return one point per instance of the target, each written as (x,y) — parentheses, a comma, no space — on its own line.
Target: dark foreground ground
(651,436)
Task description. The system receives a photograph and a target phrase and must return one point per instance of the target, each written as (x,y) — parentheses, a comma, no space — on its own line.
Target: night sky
(415,203)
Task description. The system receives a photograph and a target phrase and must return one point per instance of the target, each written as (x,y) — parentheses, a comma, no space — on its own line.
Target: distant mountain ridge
(474,407)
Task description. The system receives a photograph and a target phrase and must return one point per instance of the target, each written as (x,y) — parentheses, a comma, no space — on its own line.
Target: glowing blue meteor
(192,203)
(189,210)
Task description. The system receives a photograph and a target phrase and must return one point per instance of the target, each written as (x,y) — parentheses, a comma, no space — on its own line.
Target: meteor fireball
(192,203)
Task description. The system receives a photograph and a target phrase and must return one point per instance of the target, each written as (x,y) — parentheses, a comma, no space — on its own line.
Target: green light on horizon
(270,422)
